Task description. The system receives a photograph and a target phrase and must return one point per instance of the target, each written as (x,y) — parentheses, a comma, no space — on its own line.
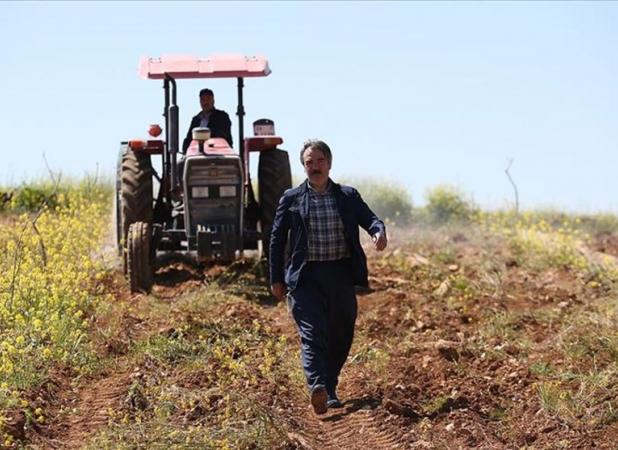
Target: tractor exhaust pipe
(240,112)
(174,138)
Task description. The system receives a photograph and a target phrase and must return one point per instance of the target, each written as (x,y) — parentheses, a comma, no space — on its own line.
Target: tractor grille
(226,228)
(213,194)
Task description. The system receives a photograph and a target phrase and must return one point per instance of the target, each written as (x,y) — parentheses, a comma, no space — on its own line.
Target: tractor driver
(215,119)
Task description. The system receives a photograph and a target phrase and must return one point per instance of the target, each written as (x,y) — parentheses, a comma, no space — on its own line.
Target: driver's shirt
(205,118)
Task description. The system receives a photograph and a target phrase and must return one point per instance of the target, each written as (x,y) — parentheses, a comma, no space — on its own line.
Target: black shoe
(332,401)
(318,400)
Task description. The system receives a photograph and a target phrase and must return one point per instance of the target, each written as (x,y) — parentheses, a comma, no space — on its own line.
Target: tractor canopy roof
(214,66)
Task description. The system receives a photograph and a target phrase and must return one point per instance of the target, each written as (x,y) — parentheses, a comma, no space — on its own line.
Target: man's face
(316,166)
(207,102)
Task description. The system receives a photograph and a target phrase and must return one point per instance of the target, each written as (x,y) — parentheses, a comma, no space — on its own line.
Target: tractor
(202,204)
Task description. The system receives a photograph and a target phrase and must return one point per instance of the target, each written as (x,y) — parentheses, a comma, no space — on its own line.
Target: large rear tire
(140,257)
(274,177)
(134,194)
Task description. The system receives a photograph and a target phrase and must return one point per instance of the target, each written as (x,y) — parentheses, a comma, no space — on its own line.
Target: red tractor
(204,204)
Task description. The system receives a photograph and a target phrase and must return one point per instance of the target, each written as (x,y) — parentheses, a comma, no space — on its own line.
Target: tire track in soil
(92,404)
(349,428)
(356,426)
(108,390)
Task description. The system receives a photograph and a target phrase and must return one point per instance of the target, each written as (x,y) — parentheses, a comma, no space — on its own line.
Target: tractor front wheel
(140,257)
(274,177)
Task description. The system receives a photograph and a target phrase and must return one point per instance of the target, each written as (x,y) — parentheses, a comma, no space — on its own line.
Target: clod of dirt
(417,260)
(298,441)
(116,346)
(214,400)
(450,354)
(14,424)
(443,288)
(453,403)
(168,332)
(196,413)
(511,263)
(400,410)
(448,350)
(458,237)
(241,311)
(395,389)
(466,318)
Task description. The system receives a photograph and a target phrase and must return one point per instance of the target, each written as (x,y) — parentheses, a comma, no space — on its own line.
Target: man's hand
(380,241)
(278,290)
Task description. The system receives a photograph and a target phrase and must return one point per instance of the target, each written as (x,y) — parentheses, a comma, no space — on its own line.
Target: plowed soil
(423,373)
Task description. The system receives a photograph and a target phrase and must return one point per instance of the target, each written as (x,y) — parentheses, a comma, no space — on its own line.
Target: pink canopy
(213,66)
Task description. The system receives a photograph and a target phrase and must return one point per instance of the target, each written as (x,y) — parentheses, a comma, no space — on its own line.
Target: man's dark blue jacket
(292,216)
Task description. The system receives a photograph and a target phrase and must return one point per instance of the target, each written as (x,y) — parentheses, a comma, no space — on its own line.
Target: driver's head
(207,100)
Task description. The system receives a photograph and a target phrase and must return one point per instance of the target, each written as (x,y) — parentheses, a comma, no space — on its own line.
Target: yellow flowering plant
(51,259)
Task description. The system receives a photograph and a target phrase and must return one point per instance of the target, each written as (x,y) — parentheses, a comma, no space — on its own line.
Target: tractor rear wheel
(140,257)
(120,238)
(134,195)
(274,177)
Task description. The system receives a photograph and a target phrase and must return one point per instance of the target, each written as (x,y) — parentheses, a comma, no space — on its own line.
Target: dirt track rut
(356,426)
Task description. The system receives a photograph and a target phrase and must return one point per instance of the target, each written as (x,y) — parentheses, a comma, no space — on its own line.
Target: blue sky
(417,93)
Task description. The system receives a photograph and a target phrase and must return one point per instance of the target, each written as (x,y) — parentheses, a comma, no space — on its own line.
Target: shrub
(31,195)
(601,223)
(447,203)
(390,201)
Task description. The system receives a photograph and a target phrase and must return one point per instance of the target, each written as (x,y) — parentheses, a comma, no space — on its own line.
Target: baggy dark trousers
(324,307)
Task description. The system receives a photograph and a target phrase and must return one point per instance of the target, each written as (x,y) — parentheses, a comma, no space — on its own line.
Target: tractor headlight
(227,191)
(199,191)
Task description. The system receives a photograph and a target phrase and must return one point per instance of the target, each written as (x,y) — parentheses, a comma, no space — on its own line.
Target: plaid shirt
(326,238)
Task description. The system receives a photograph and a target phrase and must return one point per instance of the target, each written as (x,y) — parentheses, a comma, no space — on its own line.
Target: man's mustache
(316,172)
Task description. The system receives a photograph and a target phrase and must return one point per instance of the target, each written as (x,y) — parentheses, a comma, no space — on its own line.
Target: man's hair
(315,144)
(206,91)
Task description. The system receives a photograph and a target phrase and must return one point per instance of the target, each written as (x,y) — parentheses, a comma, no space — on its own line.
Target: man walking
(326,262)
